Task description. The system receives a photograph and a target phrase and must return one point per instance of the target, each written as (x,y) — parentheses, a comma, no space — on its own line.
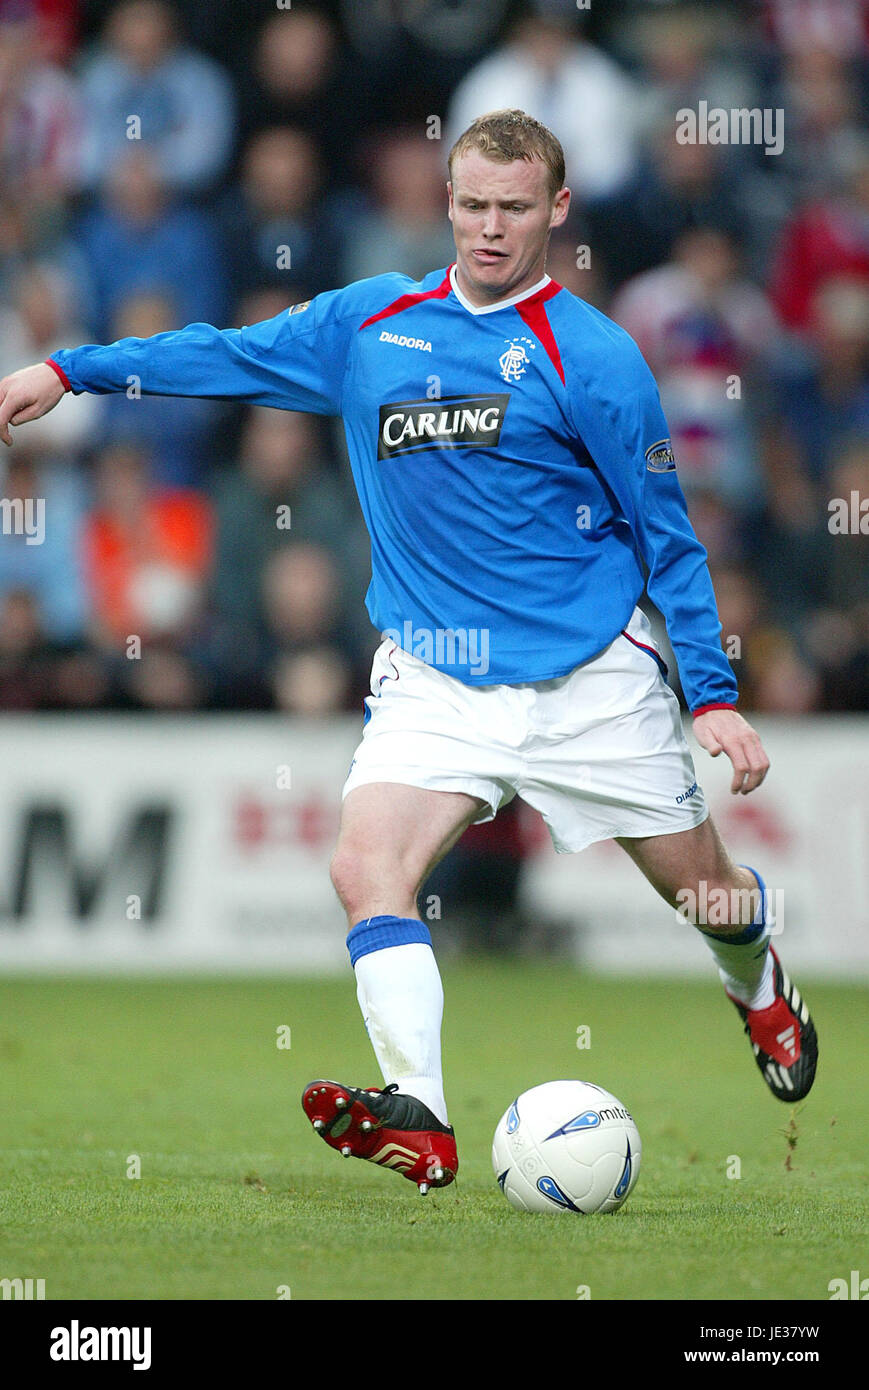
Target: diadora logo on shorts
(660,457)
(514,362)
(454,422)
(422,344)
(686,795)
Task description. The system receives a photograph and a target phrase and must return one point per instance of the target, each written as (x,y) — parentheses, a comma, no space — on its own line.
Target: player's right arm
(294,361)
(27,394)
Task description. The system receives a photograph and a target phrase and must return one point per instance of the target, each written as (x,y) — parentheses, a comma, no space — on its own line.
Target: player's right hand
(27,394)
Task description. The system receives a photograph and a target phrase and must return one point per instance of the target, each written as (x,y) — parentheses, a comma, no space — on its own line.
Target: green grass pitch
(238,1199)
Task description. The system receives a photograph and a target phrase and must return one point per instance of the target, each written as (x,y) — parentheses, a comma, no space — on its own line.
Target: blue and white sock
(744,962)
(399,989)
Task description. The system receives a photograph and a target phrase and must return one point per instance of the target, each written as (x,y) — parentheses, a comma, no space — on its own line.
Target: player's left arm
(725,731)
(619,417)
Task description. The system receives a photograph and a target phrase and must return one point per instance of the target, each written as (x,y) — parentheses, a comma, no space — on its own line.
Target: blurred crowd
(163,163)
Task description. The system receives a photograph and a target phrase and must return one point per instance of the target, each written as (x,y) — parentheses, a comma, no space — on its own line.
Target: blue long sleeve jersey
(512,463)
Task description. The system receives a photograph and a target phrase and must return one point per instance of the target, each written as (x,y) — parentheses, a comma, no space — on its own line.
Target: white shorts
(599,752)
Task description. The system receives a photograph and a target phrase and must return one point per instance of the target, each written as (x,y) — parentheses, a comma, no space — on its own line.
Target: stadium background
(181,673)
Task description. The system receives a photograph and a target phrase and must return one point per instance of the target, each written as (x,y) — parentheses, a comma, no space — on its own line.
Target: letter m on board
(50,871)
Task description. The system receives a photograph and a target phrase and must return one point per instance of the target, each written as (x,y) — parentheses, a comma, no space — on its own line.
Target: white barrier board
(203,844)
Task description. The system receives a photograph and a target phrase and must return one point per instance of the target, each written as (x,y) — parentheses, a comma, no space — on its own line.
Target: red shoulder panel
(533,312)
(405,301)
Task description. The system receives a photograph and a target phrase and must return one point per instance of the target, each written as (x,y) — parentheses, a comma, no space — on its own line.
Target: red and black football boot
(783,1038)
(385,1127)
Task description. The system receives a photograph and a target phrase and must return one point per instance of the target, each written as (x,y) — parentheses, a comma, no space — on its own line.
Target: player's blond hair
(507,135)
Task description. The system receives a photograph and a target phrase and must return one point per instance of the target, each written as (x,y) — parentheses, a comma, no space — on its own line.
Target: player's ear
(450,198)
(560,206)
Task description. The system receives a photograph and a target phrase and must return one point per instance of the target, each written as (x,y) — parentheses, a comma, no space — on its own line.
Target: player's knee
(354,875)
(343,872)
(366,879)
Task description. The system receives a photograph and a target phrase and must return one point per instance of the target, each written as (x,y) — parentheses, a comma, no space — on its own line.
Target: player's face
(502,215)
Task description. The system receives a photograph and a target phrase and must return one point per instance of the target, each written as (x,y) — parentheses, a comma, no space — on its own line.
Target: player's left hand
(725,731)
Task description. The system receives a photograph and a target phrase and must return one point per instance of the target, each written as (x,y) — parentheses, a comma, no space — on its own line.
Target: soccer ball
(566,1146)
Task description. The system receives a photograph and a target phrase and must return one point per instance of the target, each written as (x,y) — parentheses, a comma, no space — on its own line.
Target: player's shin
(742,955)
(401,996)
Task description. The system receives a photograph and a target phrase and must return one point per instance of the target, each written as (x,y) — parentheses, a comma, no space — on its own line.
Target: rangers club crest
(514,362)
